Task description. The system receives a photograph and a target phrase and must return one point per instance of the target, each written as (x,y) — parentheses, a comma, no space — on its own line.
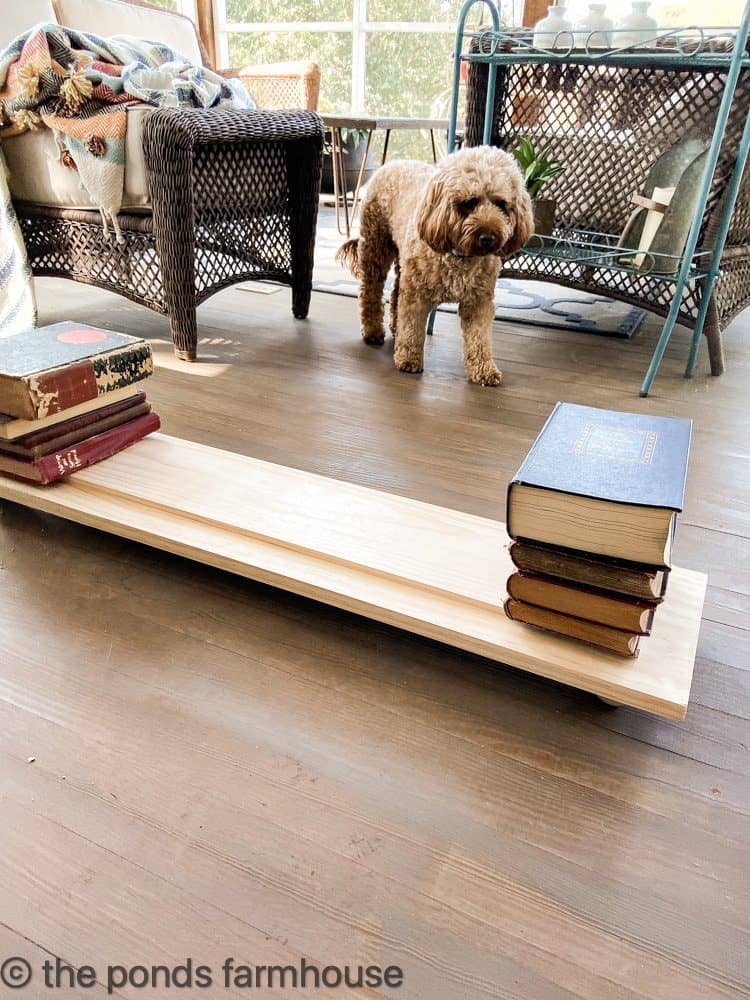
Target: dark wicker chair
(233,194)
(607,124)
(234,198)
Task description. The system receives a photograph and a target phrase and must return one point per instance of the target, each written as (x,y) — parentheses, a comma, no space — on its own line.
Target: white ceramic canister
(637,28)
(595,29)
(554,30)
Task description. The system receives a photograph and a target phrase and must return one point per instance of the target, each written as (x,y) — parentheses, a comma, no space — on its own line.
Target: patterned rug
(535,302)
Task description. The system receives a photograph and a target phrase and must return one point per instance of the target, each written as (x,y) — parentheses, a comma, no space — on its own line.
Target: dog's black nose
(486,241)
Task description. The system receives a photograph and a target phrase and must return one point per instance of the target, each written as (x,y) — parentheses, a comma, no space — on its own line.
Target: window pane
(406,72)
(445,11)
(166,4)
(421,10)
(332,52)
(250,11)
(420,88)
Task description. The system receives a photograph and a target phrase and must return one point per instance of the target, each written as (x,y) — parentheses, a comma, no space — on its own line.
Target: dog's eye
(468,205)
(501,204)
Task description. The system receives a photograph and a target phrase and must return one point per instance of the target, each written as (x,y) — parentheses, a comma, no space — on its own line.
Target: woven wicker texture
(276,92)
(607,124)
(234,196)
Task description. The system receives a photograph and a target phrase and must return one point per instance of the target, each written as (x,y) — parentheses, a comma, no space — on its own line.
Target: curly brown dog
(446,228)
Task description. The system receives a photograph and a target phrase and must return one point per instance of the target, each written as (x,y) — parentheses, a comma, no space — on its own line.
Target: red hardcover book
(49,468)
(60,435)
(46,371)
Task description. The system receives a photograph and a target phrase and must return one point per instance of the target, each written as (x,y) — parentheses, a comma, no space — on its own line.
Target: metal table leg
(339,182)
(385,146)
(361,174)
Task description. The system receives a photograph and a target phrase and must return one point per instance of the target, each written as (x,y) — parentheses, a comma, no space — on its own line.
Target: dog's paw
(409,365)
(487,376)
(374,337)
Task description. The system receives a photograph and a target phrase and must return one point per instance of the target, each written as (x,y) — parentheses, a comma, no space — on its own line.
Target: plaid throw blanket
(17,307)
(79,85)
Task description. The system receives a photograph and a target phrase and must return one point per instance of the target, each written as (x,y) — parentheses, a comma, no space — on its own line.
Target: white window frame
(358,27)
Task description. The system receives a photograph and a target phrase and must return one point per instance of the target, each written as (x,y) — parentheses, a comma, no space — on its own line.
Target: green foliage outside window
(407,74)
(300,10)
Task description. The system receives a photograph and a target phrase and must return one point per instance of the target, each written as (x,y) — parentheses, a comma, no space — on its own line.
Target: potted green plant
(537,169)
(354,143)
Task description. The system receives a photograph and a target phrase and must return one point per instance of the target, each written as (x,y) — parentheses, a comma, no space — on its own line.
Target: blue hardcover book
(603,482)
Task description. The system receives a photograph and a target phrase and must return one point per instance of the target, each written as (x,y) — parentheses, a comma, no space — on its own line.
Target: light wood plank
(434,571)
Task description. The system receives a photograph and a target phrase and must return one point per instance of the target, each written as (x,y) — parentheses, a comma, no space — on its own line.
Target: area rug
(535,302)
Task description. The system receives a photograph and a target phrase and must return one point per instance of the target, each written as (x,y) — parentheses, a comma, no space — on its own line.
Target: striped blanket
(17,307)
(78,85)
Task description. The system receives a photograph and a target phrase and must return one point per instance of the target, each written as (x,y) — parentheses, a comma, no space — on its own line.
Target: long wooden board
(437,572)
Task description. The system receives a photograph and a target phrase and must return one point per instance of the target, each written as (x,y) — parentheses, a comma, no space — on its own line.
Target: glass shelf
(601,250)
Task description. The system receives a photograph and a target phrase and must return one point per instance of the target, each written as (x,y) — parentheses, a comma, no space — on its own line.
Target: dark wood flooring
(225,770)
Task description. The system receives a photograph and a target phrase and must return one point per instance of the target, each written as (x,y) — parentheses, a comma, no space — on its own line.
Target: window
(381,56)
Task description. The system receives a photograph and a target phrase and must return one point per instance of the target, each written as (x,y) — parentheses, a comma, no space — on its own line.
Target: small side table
(369,124)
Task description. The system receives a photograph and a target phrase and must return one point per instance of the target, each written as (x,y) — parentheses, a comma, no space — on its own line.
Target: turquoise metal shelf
(710,48)
(594,249)
(668,48)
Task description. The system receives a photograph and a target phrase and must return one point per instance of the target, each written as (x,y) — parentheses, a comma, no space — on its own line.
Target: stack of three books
(593,512)
(70,396)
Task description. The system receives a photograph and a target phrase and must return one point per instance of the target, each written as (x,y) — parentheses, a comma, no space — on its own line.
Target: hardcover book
(54,466)
(71,431)
(49,370)
(604,483)
(605,574)
(13,428)
(616,640)
(591,605)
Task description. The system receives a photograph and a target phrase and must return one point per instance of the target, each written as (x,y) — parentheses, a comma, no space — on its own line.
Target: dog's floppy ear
(433,217)
(523,229)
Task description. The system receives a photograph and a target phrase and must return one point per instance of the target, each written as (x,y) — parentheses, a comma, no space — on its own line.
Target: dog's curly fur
(446,229)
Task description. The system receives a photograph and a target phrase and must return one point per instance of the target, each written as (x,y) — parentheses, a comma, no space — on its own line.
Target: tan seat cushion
(37,176)
(113,17)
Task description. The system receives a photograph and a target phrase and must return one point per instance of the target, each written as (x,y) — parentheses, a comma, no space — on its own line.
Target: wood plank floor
(225,770)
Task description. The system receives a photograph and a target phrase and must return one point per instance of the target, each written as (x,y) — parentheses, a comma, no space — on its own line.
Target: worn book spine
(642,582)
(36,443)
(615,640)
(587,603)
(63,441)
(35,438)
(94,449)
(16,428)
(34,397)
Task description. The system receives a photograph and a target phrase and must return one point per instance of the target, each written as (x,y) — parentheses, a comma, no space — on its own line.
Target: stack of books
(70,396)
(592,514)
